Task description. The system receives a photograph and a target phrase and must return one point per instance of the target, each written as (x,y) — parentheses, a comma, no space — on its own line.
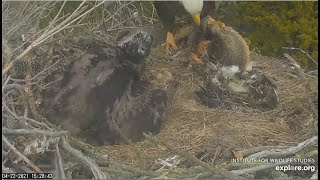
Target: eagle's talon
(170,43)
(195,59)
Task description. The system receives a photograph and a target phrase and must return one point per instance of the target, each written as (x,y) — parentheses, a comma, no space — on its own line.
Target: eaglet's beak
(196,19)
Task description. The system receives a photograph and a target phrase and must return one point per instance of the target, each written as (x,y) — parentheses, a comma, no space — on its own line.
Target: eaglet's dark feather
(97,91)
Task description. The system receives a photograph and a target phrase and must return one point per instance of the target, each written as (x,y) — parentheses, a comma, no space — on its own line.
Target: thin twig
(123,6)
(9,110)
(218,150)
(58,164)
(57,15)
(23,96)
(5,83)
(132,27)
(61,26)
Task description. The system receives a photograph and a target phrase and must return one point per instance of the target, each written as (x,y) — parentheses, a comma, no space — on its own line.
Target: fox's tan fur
(227,46)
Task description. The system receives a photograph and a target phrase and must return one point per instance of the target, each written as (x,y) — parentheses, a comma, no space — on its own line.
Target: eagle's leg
(196,59)
(202,50)
(170,42)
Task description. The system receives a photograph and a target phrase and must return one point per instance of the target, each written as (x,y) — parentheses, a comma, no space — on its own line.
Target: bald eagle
(169,10)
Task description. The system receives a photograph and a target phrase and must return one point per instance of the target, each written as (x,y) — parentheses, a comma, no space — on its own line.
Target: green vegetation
(273,25)
(270,26)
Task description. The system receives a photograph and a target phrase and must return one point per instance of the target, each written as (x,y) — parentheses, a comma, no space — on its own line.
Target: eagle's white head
(194,7)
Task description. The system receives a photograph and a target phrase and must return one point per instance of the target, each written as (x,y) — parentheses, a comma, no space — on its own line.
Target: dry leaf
(237,154)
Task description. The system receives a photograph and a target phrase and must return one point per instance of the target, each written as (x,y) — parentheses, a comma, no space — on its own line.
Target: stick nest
(190,128)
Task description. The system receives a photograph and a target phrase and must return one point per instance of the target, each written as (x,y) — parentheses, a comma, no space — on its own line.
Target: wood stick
(277,153)
(33,132)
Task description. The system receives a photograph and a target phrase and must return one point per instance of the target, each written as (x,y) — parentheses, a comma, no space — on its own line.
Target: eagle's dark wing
(209,9)
(167,11)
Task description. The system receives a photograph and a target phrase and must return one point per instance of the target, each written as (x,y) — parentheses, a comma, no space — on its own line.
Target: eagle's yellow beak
(196,19)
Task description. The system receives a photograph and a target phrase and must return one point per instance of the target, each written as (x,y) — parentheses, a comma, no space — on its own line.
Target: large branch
(33,132)
(277,153)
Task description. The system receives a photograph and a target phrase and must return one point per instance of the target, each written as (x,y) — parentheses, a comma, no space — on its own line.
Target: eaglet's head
(134,46)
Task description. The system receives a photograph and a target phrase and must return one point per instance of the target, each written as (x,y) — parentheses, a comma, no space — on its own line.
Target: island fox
(227,47)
